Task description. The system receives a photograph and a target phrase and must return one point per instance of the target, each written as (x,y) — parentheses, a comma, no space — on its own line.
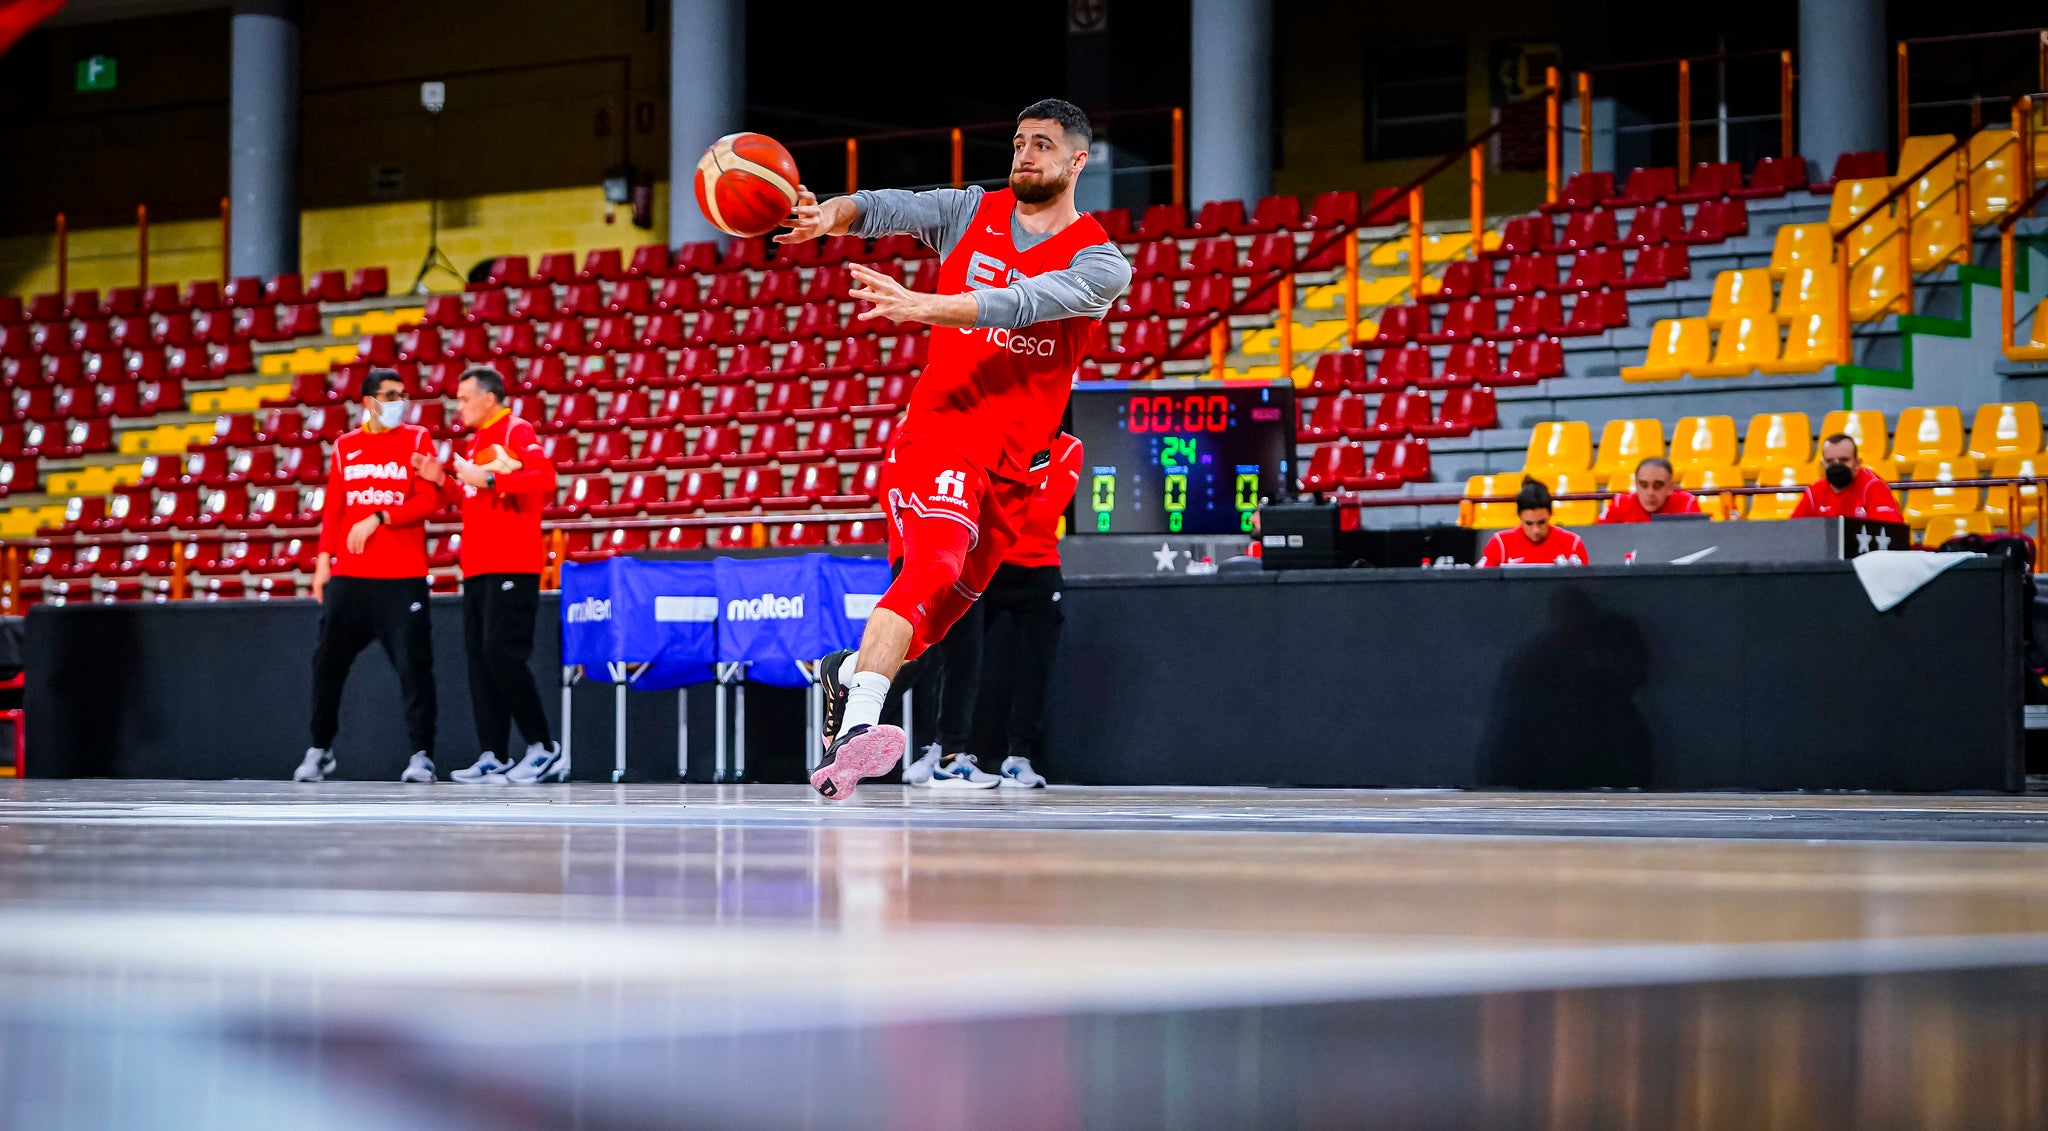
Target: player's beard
(1038,190)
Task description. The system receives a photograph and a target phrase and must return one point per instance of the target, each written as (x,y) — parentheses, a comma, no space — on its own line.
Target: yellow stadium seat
(1776,439)
(1739,292)
(1490,516)
(1938,234)
(1573,512)
(2005,430)
(1942,527)
(1702,479)
(1676,345)
(1923,503)
(1807,290)
(1928,434)
(1703,441)
(1559,445)
(1997,500)
(1994,174)
(1801,245)
(1918,150)
(1810,343)
(1874,287)
(1745,344)
(1856,200)
(1795,478)
(1624,443)
(2035,348)
(1864,425)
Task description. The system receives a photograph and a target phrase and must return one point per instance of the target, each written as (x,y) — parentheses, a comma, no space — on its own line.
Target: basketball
(746,184)
(494,457)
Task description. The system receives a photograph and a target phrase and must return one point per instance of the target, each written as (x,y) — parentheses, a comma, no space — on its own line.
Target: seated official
(1847,488)
(1654,495)
(1535,542)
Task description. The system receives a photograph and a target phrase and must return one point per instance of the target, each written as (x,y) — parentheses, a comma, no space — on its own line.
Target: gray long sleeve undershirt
(1086,288)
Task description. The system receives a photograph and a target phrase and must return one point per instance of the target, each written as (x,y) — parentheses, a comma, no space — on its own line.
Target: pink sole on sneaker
(868,755)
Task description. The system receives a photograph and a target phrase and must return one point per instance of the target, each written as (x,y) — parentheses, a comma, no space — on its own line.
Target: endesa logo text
(1017,343)
(375,497)
(767,606)
(590,610)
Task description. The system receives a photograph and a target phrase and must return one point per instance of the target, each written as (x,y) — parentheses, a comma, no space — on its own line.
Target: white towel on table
(1891,576)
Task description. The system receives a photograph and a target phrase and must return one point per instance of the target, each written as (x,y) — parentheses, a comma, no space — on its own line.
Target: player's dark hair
(487,380)
(1533,496)
(1072,121)
(1656,461)
(1841,438)
(373,382)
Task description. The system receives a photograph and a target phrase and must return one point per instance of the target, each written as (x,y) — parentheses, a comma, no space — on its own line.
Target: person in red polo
(371,575)
(1847,489)
(1535,542)
(1654,495)
(501,483)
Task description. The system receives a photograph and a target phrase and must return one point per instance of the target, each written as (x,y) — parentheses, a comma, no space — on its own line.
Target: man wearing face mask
(1847,488)
(371,575)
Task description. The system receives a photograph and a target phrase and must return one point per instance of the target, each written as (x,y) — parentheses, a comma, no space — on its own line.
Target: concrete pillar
(1843,73)
(263,138)
(707,99)
(1230,108)
(1088,86)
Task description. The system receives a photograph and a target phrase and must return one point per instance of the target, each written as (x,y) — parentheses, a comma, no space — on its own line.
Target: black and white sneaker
(862,752)
(316,765)
(835,691)
(541,764)
(419,770)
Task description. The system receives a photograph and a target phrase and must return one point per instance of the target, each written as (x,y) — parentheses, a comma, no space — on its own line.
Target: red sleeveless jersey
(996,396)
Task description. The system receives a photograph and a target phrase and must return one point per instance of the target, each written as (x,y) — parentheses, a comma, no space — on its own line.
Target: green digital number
(1173,522)
(1177,451)
(1244,521)
(1247,491)
(1177,492)
(1102,522)
(1103,496)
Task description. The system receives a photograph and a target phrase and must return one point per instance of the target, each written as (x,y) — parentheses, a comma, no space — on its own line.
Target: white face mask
(391,414)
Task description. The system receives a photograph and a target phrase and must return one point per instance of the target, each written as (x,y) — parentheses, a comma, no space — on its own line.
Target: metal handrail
(956,138)
(1904,76)
(1904,234)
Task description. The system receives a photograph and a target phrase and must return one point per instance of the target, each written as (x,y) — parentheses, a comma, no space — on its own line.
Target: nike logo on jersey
(990,231)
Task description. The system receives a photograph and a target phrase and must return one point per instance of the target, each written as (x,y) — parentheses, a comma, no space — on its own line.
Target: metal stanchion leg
(619,728)
(568,680)
(909,733)
(682,734)
(718,735)
(739,726)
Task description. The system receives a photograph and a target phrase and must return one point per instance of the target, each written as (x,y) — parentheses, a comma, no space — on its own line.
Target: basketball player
(501,483)
(1023,277)
(371,575)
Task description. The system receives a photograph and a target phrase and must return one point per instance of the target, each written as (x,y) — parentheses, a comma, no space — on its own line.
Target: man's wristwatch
(490,480)
(382,518)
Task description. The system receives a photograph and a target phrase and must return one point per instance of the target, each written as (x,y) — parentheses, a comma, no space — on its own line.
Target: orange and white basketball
(494,457)
(746,184)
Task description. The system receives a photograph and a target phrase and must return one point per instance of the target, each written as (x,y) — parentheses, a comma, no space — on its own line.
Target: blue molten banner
(623,610)
(777,612)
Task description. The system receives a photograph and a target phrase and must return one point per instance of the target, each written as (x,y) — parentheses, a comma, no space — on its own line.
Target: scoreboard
(1180,457)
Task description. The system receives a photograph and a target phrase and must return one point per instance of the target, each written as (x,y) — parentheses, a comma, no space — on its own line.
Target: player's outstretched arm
(810,220)
(1085,289)
(938,217)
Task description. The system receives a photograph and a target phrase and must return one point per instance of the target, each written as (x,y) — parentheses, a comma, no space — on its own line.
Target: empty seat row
(1710,180)
(201,296)
(1478,319)
(1345,416)
(1412,366)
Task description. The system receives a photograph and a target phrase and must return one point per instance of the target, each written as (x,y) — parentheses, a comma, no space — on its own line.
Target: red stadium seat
(1165,221)
(1716,220)
(1398,462)
(1710,180)
(1333,209)
(1855,167)
(1399,368)
(1656,266)
(370,282)
(287,289)
(1464,411)
(1592,270)
(713,444)
(1584,230)
(1531,361)
(1334,467)
(1463,321)
(1398,413)
(1772,177)
(1474,363)
(1462,279)
(1646,187)
(1337,371)
(1583,191)
(1399,325)
(1333,418)
(1655,224)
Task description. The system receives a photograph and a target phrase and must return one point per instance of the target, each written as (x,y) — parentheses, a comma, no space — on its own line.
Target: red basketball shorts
(951,524)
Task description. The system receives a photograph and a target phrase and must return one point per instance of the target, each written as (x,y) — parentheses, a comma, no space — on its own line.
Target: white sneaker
(487,771)
(420,769)
(542,763)
(317,765)
(963,773)
(1017,772)
(920,771)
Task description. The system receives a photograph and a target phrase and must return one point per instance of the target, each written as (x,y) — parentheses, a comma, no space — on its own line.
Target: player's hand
(889,298)
(320,572)
(429,468)
(359,534)
(469,474)
(810,220)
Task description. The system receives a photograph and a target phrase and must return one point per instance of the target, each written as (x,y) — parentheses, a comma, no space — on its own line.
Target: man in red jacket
(371,575)
(501,482)
(1847,488)
(1654,495)
(1535,542)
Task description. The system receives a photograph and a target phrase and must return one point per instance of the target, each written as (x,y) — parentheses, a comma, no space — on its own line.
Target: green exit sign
(97,72)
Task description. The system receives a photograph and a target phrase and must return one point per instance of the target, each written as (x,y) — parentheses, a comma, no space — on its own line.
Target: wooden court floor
(200,954)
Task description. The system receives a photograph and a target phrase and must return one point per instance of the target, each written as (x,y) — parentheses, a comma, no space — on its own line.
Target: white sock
(864,695)
(847,667)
